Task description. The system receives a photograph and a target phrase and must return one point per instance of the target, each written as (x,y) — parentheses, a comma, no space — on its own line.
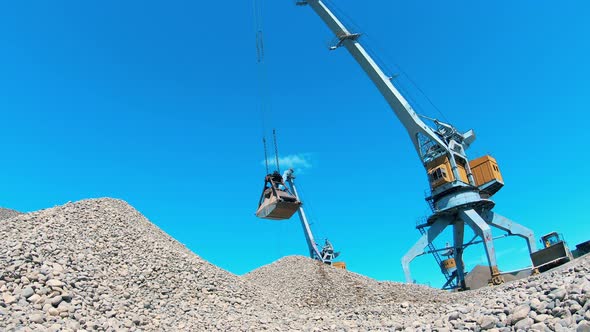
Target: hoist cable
(348,19)
(426,96)
(265,155)
(383,64)
(258,26)
(263,86)
(374,49)
(274,135)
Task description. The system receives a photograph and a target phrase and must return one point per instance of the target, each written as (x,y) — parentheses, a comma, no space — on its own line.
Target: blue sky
(157,103)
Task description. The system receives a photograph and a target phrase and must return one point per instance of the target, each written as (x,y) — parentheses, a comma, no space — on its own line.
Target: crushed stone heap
(555,301)
(99,265)
(302,282)
(8,213)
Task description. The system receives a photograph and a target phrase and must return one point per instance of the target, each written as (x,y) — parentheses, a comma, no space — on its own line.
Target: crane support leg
(458,237)
(481,228)
(512,228)
(418,248)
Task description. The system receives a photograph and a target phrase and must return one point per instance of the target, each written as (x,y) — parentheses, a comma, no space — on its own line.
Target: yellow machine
(485,171)
(555,252)
(439,172)
(339,265)
(449,265)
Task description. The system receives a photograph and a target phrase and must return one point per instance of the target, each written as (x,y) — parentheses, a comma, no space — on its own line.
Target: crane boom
(402,109)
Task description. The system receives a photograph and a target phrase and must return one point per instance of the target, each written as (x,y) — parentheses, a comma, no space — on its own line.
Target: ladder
(450,284)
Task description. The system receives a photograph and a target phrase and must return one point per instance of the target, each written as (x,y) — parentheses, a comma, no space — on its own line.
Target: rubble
(100,265)
(8,213)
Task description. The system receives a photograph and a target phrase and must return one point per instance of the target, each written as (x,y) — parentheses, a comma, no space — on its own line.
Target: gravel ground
(8,213)
(302,282)
(100,265)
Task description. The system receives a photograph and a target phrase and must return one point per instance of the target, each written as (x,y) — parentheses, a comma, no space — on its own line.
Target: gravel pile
(555,301)
(100,265)
(302,282)
(8,213)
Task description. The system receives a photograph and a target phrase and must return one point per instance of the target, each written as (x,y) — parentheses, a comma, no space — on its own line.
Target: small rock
(36,318)
(34,298)
(54,283)
(64,307)
(488,322)
(454,316)
(524,324)
(67,297)
(28,292)
(54,328)
(540,327)
(47,306)
(541,318)
(73,325)
(583,326)
(520,312)
(535,304)
(8,299)
(56,300)
(558,294)
(53,312)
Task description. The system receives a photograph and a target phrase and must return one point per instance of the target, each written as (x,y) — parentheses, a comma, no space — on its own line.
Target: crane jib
(402,109)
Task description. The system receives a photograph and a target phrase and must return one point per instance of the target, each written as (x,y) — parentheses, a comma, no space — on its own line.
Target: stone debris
(8,213)
(302,282)
(99,265)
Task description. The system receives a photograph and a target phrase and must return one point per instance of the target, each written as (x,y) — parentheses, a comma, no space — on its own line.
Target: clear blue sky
(157,103)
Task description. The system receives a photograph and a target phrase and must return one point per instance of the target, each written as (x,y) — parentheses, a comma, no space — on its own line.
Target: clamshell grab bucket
(277,203)
(277,210)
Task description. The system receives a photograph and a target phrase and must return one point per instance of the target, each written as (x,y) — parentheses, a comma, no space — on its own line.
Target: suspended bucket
(448,265)
(276,202)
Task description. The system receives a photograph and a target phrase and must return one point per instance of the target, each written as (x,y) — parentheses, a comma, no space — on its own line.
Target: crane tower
(460,188)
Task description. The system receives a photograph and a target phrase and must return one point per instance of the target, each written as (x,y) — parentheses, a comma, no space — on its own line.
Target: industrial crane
(460,188)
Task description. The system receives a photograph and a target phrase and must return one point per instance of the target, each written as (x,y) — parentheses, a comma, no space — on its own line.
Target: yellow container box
(485,169)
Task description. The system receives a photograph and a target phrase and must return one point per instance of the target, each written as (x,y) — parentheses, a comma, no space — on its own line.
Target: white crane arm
(402,109)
